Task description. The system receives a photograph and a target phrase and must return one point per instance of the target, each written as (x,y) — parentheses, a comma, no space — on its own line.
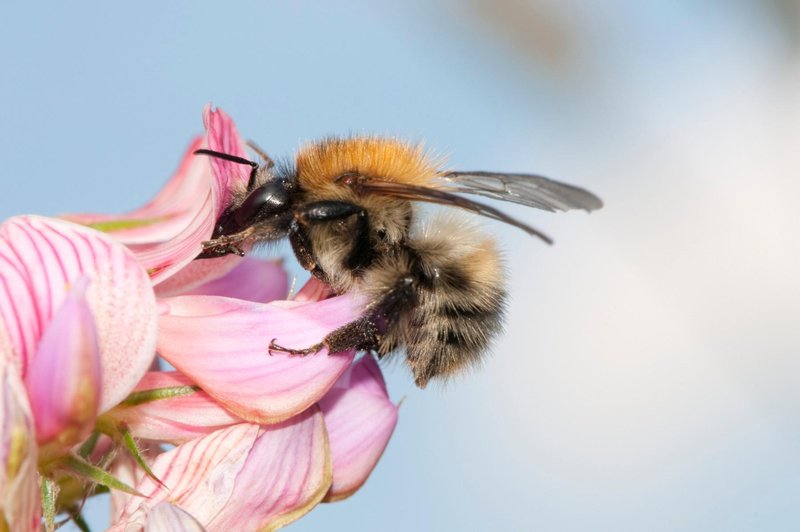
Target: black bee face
(269,208)
(271,200)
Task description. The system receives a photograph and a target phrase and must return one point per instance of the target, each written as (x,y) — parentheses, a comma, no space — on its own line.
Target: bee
(349,207)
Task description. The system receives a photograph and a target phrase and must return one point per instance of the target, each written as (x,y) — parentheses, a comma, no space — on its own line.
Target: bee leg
(220,250)
(361,334)
(314,349)
(362,252)
(265,159)
(225,245)
(301,246)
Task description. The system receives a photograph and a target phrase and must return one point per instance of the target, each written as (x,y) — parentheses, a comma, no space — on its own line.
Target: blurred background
(648,376)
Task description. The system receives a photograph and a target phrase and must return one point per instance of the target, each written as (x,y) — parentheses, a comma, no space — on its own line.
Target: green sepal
(88,446)
(121,225)
(158,394)
(49,497)
(80,522)
(95,474)
(130,444)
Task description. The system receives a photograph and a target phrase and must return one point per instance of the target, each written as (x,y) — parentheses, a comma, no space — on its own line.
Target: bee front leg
(362,253)
(301,246)
(225,245)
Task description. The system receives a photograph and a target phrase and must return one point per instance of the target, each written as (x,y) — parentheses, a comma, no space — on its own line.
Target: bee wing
(443,197)
(526,189)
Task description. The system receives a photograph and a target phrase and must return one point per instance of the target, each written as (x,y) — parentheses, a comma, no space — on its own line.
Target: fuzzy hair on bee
(349,207)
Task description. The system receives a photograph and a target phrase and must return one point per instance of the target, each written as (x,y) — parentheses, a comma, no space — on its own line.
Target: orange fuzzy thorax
(320,163)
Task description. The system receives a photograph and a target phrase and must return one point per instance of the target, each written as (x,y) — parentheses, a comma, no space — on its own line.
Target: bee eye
(268,199)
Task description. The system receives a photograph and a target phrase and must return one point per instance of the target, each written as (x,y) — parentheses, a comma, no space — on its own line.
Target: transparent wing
(525,189)
(443,197)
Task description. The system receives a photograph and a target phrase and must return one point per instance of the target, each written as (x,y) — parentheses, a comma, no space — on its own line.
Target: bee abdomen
(447,338)
(460,292)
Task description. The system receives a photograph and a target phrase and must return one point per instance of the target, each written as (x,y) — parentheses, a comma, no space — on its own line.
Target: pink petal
(166,517)
(286,475)
(197,202)
(175,420)
(63,380)
(223,137)
(39,258)
(245,477)
(19,487)
(360,419)
(313,290)
(252,279)
(221,344)
(167,233)
(166,215)
(196,273)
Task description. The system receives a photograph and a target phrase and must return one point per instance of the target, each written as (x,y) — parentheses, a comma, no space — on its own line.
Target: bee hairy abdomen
(454,304)
(447,339)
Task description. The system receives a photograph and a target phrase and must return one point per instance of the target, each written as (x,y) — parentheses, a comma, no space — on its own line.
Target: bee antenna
(226,157)
(234,159)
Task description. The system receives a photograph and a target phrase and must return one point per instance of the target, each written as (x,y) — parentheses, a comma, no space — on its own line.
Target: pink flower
(65,293)
(259,439)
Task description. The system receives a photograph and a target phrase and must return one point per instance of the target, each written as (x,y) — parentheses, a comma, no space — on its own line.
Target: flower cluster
(87,303)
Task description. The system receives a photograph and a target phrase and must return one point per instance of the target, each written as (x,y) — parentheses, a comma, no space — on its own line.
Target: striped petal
(39,258)
(360,419)
(177,419)
(245,477)
(19,488)
(64,378)
(222,345)
(166,517)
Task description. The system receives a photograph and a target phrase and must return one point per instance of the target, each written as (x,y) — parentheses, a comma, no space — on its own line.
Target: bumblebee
(349,207)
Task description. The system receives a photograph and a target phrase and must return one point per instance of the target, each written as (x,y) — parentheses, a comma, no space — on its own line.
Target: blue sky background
(648,375)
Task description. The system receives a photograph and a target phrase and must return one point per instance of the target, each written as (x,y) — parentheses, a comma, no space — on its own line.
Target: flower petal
(167,233)
(19,488)
(286,475)
(195,273)
(252,279)
(39,258)
(224,138)
(313,290)
(63,381)
(221,136)
(166,517)
(244,477)
(167,215)
(222,345)
(177,419)
(360,419)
